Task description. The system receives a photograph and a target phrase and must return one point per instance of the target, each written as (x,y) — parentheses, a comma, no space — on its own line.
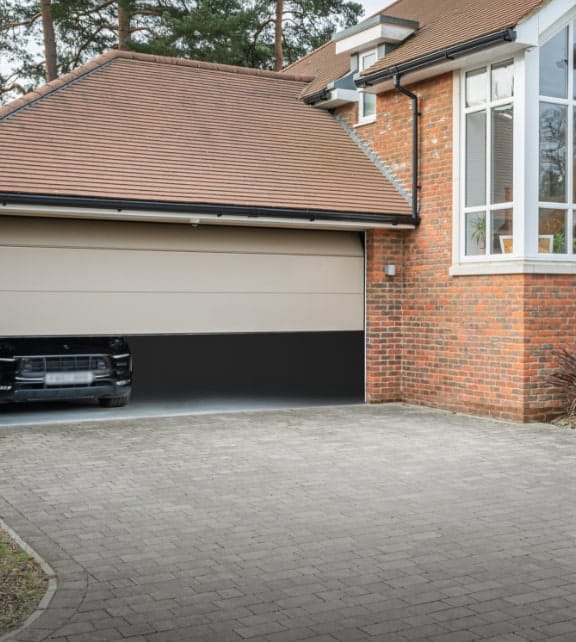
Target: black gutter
(318,97)
(192,209)
(505,35)
(415,159)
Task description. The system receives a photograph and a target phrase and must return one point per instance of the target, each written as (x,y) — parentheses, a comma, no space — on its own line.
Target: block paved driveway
(353,523)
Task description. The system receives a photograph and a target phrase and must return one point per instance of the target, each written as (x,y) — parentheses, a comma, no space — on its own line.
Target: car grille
(36,367)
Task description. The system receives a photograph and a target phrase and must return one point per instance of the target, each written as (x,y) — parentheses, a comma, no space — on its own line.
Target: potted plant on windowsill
(479,231)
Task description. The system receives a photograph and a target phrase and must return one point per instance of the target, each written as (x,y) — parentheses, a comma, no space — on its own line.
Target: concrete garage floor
(31,414)
(389,523)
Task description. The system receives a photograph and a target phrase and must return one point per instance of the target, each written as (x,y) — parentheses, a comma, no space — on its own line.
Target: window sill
(514,266)
(366,121)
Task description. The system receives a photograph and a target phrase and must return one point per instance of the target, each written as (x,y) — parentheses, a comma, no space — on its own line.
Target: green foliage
(237,32)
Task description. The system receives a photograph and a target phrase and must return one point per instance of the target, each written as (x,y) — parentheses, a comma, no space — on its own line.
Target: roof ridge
(112,54)
(214,66)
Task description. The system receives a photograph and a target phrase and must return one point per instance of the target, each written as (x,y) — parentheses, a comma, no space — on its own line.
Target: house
(195,198)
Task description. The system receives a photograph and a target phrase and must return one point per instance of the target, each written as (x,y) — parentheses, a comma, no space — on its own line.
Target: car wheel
(113,402)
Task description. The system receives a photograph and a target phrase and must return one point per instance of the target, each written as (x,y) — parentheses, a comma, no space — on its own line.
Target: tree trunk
(124,18)
(278,32)
(49,40)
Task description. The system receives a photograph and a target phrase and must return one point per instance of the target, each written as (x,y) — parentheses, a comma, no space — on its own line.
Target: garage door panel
(83,313)
(105,278)
(89,270)
(38,232)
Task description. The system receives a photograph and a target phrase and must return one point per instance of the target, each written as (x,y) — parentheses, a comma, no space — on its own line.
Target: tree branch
(21,23)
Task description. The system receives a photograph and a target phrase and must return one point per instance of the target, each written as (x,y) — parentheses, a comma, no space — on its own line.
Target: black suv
(48,369)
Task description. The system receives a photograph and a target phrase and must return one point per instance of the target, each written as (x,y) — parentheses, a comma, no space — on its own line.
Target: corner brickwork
(477,344)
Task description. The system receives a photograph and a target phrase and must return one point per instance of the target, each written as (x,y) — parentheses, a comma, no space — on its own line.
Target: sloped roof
(139,127)
(442,24)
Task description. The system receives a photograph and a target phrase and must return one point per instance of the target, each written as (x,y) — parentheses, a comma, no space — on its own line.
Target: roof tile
(130,126)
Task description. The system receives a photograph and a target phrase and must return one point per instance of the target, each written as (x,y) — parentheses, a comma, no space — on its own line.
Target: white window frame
(363,119)
(569,204)
(488,207)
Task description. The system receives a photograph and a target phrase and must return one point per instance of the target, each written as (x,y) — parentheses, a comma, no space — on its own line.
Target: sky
(372,6)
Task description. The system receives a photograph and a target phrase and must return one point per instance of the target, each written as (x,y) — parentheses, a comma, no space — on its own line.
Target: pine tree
(254,33)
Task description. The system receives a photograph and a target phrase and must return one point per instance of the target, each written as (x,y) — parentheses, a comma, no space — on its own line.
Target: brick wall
(480,344)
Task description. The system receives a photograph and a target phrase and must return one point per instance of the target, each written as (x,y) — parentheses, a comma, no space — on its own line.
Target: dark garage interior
(324,366)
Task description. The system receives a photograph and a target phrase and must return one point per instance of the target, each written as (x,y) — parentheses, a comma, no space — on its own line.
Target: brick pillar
(383,316)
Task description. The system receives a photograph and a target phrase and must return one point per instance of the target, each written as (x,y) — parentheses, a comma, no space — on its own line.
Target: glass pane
(502,154)
(502,232)
(476,88)
(552,152)
(368,105)
(503,80)
(476,159)
(367,60)
(574,58)
(552,232)
(574,238)
(554,66)
(475,233)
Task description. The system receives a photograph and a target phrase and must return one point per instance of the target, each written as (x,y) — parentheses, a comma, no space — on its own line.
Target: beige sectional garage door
(61,277)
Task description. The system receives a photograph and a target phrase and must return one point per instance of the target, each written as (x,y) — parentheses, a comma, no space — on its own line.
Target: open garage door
(72,277)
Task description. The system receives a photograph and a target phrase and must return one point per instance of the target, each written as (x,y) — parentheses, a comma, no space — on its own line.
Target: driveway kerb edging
(48,570)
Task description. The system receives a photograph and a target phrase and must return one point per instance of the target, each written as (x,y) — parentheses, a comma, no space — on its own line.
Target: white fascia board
(337,98)
(141,216)
(543,22)
(372,37)
(477,59)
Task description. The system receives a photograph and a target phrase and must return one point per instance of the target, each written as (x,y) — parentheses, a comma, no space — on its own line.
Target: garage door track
(330,524)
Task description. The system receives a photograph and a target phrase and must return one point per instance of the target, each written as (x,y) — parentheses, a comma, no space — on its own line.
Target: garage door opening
(312,367)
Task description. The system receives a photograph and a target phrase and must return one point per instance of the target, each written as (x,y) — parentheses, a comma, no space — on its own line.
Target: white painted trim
(515,266)
(547,20)
(519,176)
(375,35)
(189,219)
(457,238)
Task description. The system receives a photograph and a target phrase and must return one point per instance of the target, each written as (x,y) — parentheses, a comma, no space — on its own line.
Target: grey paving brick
(345,524)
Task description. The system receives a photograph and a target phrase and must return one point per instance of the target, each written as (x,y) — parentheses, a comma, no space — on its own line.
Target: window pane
(368,105)
(552,152)
(476,88)
(503,80)
(554,66)
(476,159)
(502,153)
(367,60)
(552,231)
(475,233)
(502,232)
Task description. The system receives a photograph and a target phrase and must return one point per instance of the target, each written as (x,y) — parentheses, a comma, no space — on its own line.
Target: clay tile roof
(133,126)
(442,23)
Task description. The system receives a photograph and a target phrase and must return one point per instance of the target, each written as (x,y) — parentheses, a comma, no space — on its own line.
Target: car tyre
(113,402)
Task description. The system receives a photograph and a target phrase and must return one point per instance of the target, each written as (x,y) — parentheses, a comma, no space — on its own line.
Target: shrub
(565,377)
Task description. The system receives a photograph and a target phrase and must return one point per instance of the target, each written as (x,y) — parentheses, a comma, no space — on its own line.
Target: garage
(208,310)
(204,212)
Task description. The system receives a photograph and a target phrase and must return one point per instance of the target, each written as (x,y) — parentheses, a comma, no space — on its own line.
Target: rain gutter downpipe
(415,156)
